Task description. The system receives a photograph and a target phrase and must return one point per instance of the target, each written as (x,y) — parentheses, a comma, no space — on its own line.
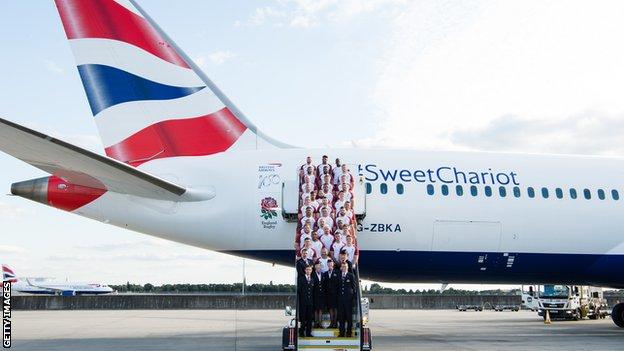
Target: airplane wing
(64,292)
(80,166)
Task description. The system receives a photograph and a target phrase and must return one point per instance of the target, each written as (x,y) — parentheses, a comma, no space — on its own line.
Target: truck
(569,302)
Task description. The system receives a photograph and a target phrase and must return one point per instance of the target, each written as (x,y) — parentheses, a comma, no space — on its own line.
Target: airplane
(40,287)
(185,164)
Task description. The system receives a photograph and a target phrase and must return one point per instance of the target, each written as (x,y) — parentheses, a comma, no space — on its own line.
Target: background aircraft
(41,286)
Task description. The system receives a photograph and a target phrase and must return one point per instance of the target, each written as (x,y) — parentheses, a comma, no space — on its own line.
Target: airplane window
(383,188)
(473,190)
(615,195)
(444,190)
(531,192)
(516,191)
(488,191)
(369,188)
(459,190)
(601,194)
(545,193)
(399,188)
(430,189)
(502,191)
(559,193)
(587,194)
(573,193)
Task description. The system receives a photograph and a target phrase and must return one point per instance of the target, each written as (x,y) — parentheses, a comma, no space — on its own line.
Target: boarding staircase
(326,338)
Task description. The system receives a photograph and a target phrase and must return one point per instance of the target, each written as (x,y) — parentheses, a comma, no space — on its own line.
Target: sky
(516,76)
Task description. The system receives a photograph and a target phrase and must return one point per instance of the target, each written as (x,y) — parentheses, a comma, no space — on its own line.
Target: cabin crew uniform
(302,263)
(319,291)
(346,295)
(349,264)
(305,292)
(331,290)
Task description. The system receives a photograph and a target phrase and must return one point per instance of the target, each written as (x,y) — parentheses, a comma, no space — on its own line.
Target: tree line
(271,288)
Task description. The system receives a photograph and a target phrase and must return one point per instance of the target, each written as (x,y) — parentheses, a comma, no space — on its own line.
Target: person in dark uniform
(319,294)
(346,295)
(331,292)
(345,260)
(305,294)
(302,263)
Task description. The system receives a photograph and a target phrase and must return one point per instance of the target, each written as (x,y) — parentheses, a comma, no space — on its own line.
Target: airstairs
(326,337)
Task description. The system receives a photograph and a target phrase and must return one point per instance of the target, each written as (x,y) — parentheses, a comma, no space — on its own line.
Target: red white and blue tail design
(8,275)
(149,100)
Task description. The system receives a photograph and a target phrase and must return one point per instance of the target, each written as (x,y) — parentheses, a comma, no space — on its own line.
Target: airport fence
(243,302)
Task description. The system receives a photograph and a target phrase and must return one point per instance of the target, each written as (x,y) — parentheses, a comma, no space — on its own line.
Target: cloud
(216,58)
(500,75)
(219,57)
(127,245)
(309,13)
(134,256)
(51,66)
(590,132)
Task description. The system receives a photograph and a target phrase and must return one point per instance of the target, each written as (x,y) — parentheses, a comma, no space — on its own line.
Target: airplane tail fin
(149,100)
(8,275)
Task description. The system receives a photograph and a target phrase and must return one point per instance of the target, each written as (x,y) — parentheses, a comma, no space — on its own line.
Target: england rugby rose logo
(268,206)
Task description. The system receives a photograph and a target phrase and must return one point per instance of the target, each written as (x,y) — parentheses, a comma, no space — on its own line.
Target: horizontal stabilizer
(82,167)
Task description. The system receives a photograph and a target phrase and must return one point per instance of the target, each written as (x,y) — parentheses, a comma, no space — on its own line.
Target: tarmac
(257,330)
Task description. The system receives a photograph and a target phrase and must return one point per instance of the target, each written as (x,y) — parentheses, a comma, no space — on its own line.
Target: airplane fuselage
(430,216)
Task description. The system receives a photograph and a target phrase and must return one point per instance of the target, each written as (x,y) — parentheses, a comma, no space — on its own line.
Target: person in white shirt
(336,246)
(307,183)
(347,173)
(326,193)
(337,171)
(349,230)
(316,244)
(343,218)
(307,203)
(340,202)
(325,204)
(321,226)
(306,231)
(348,210)
(328,220)
(323,260)
(326,179)
(312,254)
(327,238)
(314,201)
(304,167)
(309,216)
(343,230)
(326,172)
(324,165)
(310,174)
(307,191)
(346,189)
(351,250)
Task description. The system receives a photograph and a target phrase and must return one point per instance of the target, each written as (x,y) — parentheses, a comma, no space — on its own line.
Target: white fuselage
(413,236)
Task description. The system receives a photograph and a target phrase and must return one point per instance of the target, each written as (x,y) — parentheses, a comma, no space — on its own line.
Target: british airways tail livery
(184,164)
